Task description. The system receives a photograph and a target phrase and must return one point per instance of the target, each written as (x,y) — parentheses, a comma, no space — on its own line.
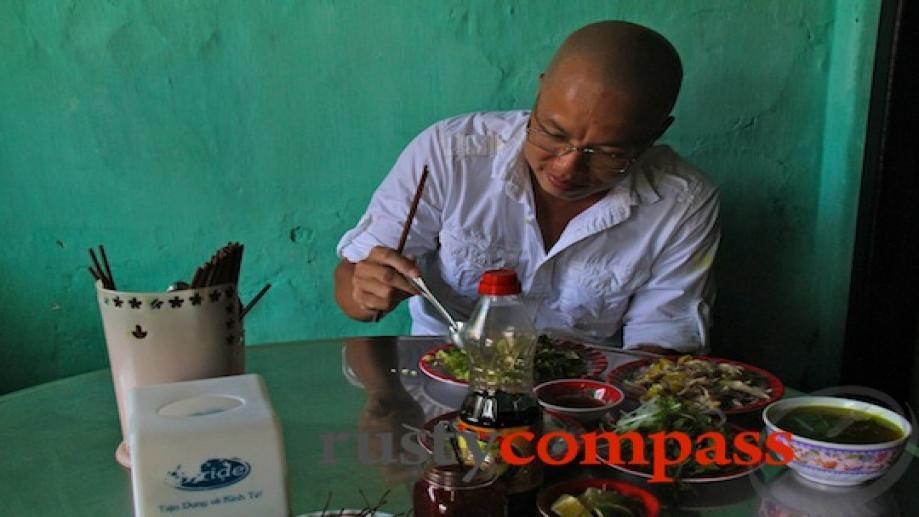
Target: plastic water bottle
(500,340)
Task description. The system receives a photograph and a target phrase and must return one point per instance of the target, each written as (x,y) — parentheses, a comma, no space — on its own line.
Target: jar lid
(497,282)
(453,476)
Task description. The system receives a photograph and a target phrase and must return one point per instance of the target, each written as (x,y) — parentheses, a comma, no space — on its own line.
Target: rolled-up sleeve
(672,309)
(381,224)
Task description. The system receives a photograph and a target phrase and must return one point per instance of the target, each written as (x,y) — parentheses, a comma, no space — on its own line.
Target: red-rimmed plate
(626,372)
(547,496)
(733,472)
(593,358)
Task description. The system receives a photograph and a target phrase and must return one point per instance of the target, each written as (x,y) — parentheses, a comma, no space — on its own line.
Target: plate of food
(554,360)
(710,382)
(601,497)
(668,414)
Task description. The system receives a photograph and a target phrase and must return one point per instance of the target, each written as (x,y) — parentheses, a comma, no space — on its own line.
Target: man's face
(579,112)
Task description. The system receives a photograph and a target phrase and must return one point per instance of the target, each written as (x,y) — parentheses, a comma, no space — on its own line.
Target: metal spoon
(178,285)
(455,326)
(456,333)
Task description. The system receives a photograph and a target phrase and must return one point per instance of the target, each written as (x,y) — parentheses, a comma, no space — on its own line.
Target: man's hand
(374,285)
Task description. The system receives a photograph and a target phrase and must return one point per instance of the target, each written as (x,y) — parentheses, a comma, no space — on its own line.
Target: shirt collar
(641,187)
(509,166)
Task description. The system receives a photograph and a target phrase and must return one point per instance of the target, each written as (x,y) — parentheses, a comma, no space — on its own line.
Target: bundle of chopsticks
(222,268)
(103,275)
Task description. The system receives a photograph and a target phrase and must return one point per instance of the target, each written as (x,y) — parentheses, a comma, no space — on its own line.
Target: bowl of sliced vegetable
(582,399)
(596,498)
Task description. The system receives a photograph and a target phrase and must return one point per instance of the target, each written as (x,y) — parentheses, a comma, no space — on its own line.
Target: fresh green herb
(667,414)
(552,361)
(453,360)
(557,362)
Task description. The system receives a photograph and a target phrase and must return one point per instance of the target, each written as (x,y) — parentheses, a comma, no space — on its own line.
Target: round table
(57,440)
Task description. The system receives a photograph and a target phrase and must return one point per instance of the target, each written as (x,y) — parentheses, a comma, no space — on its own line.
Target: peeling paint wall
(166,129)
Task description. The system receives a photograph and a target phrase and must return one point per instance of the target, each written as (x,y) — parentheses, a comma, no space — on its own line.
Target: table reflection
(326,391)
(790,495)
(401,398)
(389,414)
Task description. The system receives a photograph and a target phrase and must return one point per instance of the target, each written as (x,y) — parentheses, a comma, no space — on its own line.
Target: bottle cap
(497,282)
(454,476)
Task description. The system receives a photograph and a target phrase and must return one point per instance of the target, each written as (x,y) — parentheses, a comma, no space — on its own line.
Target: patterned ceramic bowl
(835,463)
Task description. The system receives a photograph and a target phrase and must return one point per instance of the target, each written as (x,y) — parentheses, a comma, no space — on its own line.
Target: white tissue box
(208,447)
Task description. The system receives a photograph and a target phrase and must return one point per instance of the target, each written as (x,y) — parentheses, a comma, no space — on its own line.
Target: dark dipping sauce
(500,409)
(575,400)
(838,425)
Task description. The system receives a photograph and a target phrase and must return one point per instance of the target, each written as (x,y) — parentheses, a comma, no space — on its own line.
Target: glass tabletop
(345,406)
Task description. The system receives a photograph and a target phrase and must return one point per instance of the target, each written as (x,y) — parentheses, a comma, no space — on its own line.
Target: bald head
(621,57)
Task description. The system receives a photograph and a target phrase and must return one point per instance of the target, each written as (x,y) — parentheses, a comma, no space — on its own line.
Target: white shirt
(638,260)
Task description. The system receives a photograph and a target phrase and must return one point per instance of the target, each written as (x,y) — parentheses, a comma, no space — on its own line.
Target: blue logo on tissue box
(214,473)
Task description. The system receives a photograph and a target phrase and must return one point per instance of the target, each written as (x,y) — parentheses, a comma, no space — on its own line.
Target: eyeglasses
(600,162)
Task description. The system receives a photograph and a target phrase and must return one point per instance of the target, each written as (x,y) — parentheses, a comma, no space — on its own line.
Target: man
(606,230)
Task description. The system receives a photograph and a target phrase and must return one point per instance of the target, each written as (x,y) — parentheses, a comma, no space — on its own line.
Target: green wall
(164,129)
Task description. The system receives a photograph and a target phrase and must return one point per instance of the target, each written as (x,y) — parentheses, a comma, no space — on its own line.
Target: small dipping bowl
(547,496)
(582,399)
(838,464)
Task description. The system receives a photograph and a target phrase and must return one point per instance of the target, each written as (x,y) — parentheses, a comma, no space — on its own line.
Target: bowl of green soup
(838,441)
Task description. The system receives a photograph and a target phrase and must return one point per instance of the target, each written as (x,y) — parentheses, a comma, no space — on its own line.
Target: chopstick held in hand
(407,225)
(411,213)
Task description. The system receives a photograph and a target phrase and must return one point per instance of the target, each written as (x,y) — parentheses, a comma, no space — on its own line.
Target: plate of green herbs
(554,359)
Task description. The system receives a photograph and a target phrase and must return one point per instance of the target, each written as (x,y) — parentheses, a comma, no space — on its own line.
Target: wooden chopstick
(222,267)
(196,281)
(108,270)
(407,225)
(99,271)
(411,213)
(220,270)
(92,255)
(238,263)
(248,307)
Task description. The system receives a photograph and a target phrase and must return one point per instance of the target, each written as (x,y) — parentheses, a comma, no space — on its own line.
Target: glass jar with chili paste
(450,490)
